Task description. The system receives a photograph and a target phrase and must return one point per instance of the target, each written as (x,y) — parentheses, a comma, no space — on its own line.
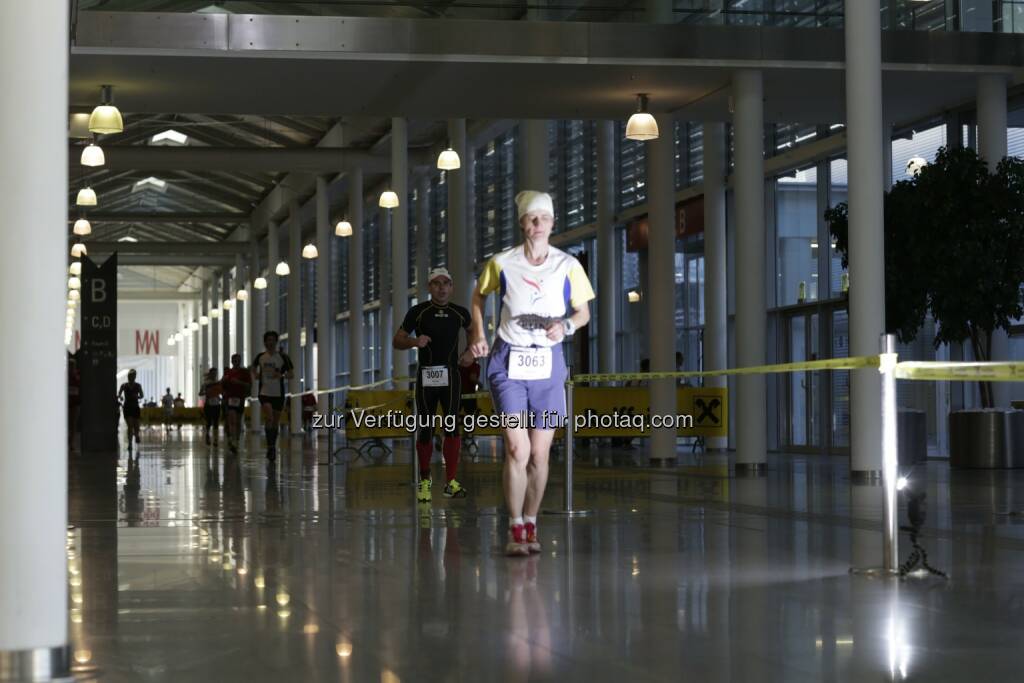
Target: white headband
(528,200)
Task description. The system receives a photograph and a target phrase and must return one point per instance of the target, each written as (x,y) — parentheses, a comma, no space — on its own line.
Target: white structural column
(273,290)
(470,249)
(257,315)
(661,303)
(227,293)
(295,312)
(424,241)
(533,140)
(308,332)
(864,131)
(324,300)
(751,310)
(456,183)
(33,442)
(241,331)
(992,122)
(399,238)
(215,299)
(355,278)
(204,330)
(715,276)
(607,268)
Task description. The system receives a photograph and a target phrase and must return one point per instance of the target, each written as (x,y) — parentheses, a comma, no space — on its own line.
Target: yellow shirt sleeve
(490,277)
(580,290)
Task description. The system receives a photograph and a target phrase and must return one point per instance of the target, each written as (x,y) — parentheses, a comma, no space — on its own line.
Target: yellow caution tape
(828,364)
(970,372)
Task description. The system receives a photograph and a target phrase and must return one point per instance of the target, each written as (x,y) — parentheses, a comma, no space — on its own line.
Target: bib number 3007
(435,376)
(529,363)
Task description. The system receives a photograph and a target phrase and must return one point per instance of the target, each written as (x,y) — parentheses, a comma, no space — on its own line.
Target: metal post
(890,457)
(570,428)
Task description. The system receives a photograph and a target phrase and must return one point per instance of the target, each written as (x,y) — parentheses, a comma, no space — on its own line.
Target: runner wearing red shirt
(235,384)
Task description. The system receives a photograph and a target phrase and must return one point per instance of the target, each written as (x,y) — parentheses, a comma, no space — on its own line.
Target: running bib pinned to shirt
(435,376)
(529,362)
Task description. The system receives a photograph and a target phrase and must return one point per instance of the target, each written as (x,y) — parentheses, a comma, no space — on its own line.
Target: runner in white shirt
(271,368)
(544,298)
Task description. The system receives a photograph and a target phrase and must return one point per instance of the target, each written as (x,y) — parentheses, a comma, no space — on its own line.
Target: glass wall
(796,242)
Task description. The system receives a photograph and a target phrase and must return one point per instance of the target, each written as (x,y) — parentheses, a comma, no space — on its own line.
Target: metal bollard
(570,428)
(890,455)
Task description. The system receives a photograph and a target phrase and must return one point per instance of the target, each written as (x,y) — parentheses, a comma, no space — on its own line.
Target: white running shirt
(531,296)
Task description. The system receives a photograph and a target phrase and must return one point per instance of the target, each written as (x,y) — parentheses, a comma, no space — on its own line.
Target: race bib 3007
(435,376)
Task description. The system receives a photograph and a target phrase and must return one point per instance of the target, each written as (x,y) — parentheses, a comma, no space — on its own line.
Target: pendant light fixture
(105,118)
(193,326)
(204,320)
(448,160)
(86,197)
(641,125)
(242,295)
(343,229)
(229,304)
(309,251)
(259,283)
(82,227)
(215,313)
(170,340)
(75,268)
(93,155)
(74,282)
(388,200)
(74,295)
(282,268)
(78,250)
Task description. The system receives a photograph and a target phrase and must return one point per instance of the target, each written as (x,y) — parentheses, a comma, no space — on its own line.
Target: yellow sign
(625,411)
(378,414)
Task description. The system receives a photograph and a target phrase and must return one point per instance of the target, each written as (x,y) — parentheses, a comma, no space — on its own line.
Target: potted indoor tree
(954,246)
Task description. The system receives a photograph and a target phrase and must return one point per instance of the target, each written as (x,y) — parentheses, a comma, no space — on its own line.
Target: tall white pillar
(992,123)
(324,296)
(227,293)
(355,277)
(607,266)
(424,236)
(864,131)
(215,299)
(273,290)
(715,275)
(241,330)
(295,313)
(399,239)
(751,309)
(33,442)
(470,250)
(533,141)
(308,318)
(257,317)
(661,250)
(204,330)
(456,183)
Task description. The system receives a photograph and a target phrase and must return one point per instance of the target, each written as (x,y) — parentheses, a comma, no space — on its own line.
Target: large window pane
(837,194)
(796,237)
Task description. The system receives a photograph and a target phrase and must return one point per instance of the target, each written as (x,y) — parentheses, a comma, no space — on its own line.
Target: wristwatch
(570,328)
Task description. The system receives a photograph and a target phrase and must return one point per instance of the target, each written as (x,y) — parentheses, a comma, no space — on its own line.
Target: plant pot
(913,437)
(986,439)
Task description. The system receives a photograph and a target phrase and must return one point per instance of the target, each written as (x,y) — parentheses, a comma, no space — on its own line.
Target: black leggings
(212,415)
(428,398)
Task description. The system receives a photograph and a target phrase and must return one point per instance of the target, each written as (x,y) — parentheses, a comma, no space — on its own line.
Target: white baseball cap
(438,272)
(529,200)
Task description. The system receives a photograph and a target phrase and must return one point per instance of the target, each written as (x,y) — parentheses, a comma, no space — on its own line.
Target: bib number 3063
(435,376)
(529,363)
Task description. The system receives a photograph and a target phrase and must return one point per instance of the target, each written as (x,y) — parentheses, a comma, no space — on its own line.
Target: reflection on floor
(189,564)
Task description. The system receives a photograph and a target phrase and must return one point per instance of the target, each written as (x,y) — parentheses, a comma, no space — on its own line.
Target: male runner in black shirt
(436,324)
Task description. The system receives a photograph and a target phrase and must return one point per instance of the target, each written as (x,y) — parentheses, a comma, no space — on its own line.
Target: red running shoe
(517,546)
(532,544)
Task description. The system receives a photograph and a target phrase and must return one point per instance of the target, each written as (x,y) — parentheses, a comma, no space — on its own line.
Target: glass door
(802,417)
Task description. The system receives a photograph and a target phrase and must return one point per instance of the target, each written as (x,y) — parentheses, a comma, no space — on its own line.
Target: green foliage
(954,245)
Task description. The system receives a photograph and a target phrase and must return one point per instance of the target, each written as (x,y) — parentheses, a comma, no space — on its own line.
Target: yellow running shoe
(423,493)
(454,490)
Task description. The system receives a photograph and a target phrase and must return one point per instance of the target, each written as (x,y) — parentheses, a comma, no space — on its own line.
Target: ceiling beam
(163,217)
(156,247)
(248,159)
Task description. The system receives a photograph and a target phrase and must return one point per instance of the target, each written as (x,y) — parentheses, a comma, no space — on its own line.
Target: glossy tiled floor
(190,565)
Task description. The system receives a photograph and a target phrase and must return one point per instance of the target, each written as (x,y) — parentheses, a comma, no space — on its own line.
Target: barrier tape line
(960,371)
(827,364)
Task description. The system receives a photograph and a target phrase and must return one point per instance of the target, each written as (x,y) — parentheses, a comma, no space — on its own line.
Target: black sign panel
(98,356)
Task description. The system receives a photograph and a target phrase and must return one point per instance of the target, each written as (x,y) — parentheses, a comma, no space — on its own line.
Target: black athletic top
(132,393)
(442,325)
